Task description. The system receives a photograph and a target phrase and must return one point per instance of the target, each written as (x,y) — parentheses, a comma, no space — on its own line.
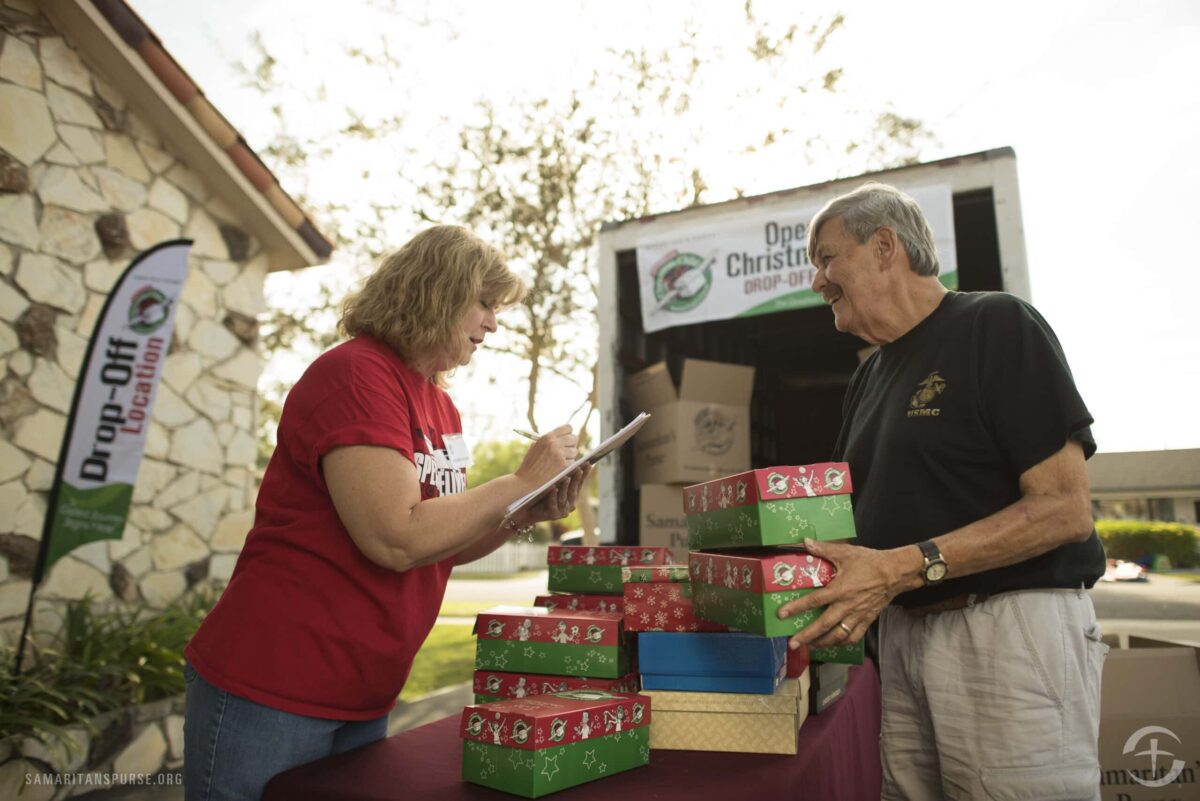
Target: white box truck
(728,282)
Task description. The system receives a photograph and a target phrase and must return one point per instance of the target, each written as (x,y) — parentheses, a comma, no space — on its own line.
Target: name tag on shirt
(456,448)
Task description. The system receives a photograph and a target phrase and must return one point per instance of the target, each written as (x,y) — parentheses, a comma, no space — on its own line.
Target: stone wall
(142,745)
(85,185)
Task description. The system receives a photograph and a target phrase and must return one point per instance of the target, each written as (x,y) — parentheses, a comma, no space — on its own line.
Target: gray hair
(873,206)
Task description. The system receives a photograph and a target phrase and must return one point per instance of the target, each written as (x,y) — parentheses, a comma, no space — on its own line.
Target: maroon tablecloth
(838,760)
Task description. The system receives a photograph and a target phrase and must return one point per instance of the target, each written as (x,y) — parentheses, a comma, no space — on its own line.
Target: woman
(361,515)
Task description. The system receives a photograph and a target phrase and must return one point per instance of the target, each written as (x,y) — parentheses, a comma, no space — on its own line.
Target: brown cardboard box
(661,520)
(1150,722)
(698,433)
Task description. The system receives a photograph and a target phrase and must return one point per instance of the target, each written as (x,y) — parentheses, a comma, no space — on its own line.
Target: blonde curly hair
(416,297)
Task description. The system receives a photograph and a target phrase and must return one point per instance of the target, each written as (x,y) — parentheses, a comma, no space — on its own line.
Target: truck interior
(803,364)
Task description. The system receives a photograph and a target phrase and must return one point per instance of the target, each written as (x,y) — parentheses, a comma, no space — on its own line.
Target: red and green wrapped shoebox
(744,588)
(771,506)
(657,574)
(535,746)
(534,639)
(660,599)
(839,654)
(797,661)
(492,685)
(579,602)
(597,569)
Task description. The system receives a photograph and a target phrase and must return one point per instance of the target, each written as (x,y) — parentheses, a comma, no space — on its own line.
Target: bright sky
(1097,97)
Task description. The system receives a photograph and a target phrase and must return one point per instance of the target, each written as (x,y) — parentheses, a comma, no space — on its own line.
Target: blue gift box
(732,662)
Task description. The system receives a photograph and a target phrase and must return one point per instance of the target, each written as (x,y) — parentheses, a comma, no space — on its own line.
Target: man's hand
(867,580)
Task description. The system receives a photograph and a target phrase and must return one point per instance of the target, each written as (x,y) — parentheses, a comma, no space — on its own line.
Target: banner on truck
(110,416)
(755,264)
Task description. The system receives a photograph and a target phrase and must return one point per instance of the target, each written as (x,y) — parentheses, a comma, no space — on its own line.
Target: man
(966,439)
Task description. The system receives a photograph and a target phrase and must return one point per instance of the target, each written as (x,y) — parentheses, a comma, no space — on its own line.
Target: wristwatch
(935,566)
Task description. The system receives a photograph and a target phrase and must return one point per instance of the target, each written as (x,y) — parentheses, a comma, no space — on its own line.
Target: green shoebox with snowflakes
(771,506)
(557,642)
(535,746)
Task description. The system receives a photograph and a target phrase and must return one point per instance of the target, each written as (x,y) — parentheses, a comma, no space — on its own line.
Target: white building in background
(108,147)
(1147,485)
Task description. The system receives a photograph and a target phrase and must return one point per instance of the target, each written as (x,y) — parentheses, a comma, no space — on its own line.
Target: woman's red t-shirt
(309,625)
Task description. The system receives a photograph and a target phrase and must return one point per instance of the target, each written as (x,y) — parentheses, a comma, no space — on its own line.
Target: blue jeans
(233,746)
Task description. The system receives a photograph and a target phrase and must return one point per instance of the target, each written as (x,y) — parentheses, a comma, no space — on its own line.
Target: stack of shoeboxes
(556,701)
(572,638)
(695,433)
(723,691)
(745,562)
(556,683)
(713,689)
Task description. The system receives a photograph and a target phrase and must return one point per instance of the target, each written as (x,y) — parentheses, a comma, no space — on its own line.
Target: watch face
(935,572)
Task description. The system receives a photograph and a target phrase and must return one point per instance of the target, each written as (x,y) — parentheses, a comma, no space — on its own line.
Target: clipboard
(599,452)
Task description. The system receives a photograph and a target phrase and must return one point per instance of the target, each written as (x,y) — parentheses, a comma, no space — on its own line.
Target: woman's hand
(547,457)
(560,502)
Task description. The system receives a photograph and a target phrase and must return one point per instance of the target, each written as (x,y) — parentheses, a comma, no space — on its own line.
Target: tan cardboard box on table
(661,520)
(699,432)
(1150,722)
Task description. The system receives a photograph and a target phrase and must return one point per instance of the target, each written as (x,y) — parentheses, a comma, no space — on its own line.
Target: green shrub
(1135,539)
(100,661)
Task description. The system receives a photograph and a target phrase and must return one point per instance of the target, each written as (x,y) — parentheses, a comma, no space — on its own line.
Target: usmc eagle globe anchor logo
(927,391)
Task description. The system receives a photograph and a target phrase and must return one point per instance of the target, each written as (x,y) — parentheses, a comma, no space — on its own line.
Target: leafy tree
(708,118)
(494,459)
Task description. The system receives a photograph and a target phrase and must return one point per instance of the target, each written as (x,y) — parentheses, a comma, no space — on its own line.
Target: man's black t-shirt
(939,426)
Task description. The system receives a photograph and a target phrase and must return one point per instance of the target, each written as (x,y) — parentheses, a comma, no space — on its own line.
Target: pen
(527,434)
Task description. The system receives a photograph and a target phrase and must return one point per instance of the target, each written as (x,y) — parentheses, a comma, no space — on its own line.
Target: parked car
(1120,570)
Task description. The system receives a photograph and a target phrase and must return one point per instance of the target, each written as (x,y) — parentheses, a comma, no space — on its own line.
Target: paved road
(1161,598)
(1165,607)
(521,590)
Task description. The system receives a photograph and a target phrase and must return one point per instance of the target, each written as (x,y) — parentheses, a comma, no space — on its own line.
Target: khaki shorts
(1000,700)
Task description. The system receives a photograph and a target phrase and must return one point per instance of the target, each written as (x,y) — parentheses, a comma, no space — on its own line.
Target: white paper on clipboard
(599,452)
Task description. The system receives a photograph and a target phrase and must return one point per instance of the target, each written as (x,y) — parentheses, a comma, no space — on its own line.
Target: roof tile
(250,166)
(172,77)
(211,121)
(138,35)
